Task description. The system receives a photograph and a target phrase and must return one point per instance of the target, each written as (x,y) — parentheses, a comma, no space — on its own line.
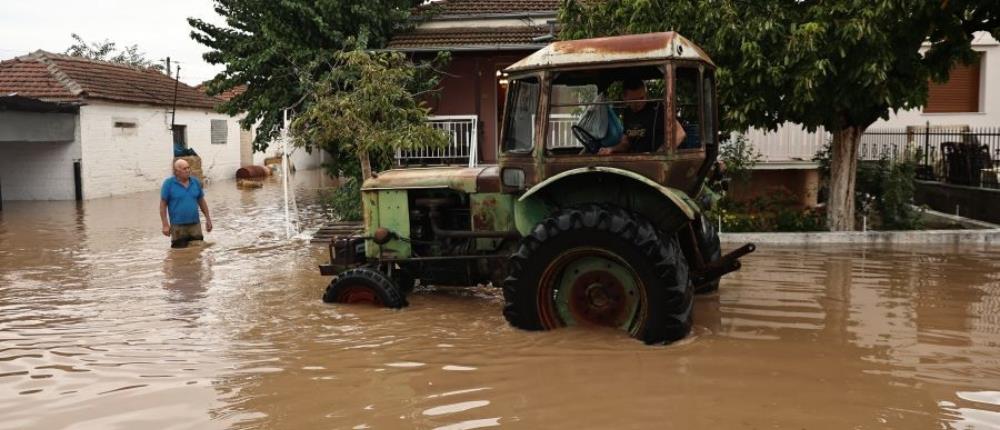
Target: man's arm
(163,217)
(622,146)
(679,134)
(204,209)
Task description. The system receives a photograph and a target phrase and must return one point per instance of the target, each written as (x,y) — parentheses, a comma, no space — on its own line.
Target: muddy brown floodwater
(103,327)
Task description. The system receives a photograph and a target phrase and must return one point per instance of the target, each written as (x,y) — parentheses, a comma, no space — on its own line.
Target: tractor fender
(530,209)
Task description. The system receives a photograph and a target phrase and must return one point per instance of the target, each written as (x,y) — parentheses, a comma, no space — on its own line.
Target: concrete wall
(802,185)
(37,127)
(972,202)
(120,160)
(38,170)
(301,159)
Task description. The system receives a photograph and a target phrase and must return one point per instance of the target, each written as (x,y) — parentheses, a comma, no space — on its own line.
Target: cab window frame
(701,100)
(663,75)
(505,123)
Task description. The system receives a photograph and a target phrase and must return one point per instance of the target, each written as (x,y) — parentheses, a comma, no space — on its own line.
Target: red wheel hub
(598,298)
(359,294)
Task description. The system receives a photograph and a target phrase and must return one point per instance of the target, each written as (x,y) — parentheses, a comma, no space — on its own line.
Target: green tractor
(593,215)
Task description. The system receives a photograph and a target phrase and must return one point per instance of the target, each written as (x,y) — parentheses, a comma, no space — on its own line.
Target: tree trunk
(843,172)
(366,165)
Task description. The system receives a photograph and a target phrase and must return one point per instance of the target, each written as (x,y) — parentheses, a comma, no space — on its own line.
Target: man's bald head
(182,170)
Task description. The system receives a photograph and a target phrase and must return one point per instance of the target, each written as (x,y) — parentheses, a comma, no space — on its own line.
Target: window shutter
(959,94)
(220,132)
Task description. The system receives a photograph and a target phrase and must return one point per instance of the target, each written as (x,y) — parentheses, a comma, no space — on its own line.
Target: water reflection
(187,273)
(102,325)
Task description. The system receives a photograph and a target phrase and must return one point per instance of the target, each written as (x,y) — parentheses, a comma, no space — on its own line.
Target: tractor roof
(616,49)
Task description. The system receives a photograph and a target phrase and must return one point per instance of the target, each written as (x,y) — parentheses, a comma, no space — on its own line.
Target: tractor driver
(643,122)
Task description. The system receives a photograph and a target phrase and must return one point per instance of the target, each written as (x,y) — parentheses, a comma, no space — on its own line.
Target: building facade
(73,128)
(483,37)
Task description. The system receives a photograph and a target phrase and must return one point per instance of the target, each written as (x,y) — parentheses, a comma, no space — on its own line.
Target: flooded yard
(103,326)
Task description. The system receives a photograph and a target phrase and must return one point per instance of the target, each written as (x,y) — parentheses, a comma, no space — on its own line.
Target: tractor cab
(572,105)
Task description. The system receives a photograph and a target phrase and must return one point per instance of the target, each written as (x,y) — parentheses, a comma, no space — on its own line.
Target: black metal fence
(957,155)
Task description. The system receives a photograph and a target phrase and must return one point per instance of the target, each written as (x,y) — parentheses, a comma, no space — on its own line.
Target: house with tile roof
(483,37)
(75,128)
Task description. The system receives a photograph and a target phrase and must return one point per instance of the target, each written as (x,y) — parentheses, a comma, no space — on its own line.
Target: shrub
(345,200)
(884,191)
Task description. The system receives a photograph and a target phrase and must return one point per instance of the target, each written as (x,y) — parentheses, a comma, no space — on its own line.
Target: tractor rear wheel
(603,266)
(364,285)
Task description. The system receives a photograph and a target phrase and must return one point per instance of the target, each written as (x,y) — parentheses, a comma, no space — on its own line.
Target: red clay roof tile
(483,7)
(54,77)
(444,38)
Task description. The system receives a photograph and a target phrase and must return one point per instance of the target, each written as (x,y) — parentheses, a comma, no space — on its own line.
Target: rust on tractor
(488,180)
(462,179)
(634,43)
(618,49)
(484,213)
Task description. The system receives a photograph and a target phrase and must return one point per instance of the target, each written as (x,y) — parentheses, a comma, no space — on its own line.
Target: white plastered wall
(126,160)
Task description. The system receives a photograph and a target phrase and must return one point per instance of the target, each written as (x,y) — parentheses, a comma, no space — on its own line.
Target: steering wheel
(590,143)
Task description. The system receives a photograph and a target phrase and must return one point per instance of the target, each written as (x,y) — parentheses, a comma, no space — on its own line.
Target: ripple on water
(101,314)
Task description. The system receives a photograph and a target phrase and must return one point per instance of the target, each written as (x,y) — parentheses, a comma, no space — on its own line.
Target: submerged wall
(971,202)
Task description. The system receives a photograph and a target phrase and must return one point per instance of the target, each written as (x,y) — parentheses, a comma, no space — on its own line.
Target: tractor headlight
(513,178)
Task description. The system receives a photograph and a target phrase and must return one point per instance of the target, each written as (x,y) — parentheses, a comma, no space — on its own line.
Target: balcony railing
(789,143)
(463,143)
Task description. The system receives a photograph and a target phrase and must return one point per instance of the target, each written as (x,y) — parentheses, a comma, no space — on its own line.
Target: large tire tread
(668,319)
(383,287)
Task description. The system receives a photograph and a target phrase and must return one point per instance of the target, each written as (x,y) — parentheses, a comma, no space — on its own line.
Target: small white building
(74,128)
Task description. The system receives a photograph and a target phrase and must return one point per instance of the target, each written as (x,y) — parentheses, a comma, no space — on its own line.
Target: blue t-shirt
(182,203)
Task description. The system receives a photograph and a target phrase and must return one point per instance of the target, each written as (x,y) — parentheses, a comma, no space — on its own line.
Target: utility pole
(173,111)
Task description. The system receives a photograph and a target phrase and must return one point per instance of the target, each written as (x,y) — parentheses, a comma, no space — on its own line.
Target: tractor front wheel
(600,266)
(364,285)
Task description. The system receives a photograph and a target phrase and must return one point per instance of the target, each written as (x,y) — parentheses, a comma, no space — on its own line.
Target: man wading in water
(182,195)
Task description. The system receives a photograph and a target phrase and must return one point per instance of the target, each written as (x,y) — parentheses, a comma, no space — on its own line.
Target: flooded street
(102,326)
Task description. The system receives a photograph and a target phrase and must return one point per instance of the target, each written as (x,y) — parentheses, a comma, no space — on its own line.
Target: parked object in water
(249,183)
(573,238)
(253,172)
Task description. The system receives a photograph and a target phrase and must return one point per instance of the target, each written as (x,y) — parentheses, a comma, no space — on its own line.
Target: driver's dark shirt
(639,128)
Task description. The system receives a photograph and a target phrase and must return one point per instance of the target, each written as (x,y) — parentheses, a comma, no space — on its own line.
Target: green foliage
(363,105)
(345,200)
(888,188)
(833,64)
(884,191)
(837,64)
(739,157)
(107,50)
(773,212)
(278,48)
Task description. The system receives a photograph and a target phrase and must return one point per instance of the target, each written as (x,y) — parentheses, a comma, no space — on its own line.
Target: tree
(367,103)
(107,51)
(841,65)
(277,49)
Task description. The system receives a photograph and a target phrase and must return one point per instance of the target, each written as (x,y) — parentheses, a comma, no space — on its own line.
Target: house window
(180,136)
(220,132)
(960,94)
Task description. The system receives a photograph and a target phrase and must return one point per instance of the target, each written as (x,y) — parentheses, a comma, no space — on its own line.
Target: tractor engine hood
(482,179)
